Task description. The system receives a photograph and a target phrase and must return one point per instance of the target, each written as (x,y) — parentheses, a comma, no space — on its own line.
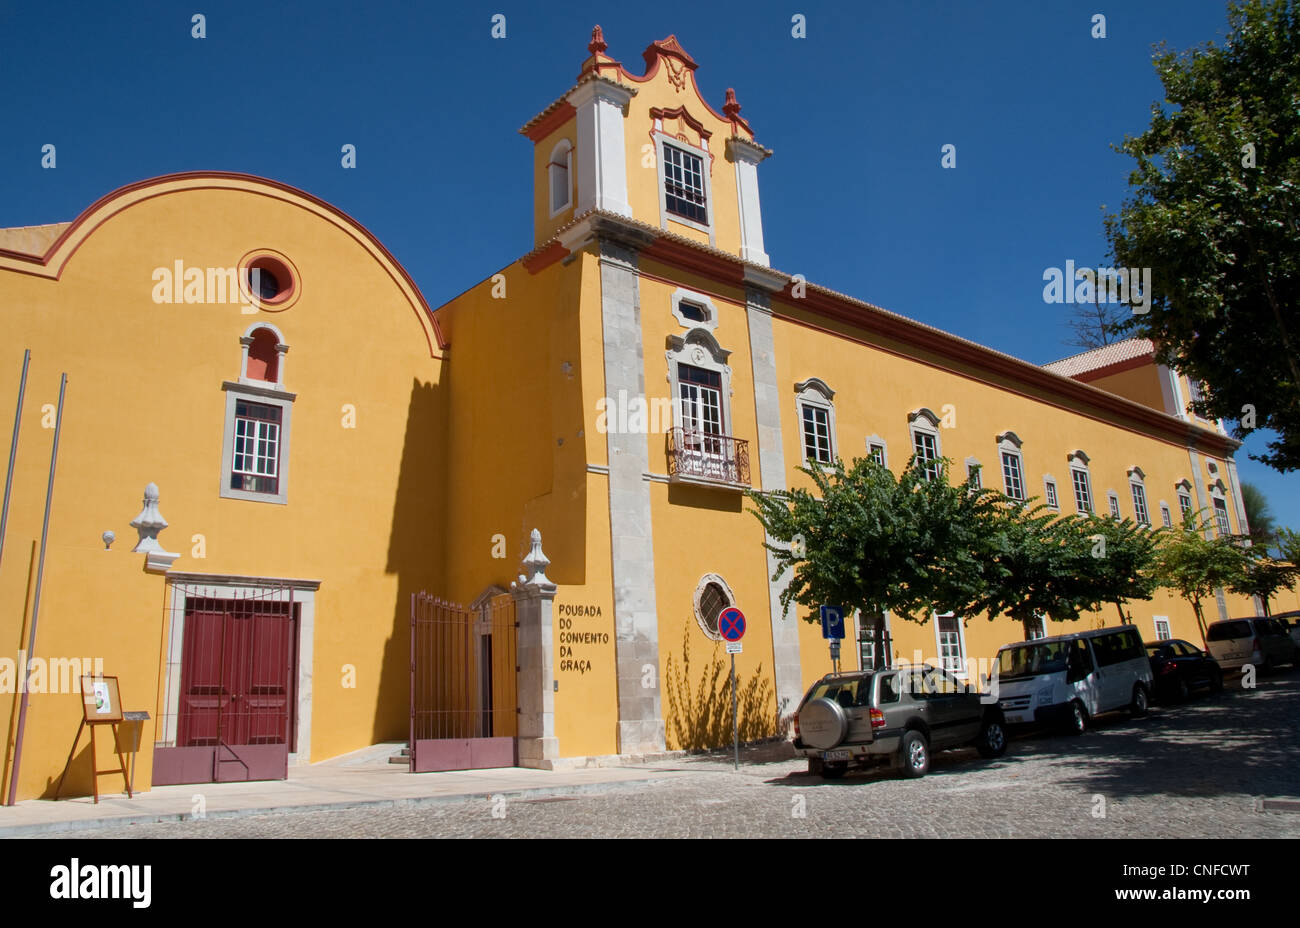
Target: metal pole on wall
(36,600)
(13,450)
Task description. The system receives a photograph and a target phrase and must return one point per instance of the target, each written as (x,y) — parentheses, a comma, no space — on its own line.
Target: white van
(1068,679)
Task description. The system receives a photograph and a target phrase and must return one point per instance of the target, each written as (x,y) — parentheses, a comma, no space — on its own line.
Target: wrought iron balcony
(702,457)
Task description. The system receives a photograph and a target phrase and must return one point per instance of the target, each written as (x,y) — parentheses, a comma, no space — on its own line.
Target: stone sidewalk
(364,779)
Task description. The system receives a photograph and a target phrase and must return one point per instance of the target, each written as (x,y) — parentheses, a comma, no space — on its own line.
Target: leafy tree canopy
(1215,215)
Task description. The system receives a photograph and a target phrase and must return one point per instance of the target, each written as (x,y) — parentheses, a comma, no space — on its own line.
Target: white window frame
(961,671)
(815,394)
(563,150)
(266,397)
(1112,498)
(1159,620)
(923,421)
(857,641)
(682,295)
(706,165)
(1166,515)
(1051,493)
(877,441)
(699,592)
(1218,495)
(1183,493)
(1009,443)
(973,463)
(266,393)
(1138,490)
(1078,462)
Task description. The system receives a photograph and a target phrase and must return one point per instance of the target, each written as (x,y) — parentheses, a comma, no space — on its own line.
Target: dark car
(1178,667)
(893,717)
(1291,622)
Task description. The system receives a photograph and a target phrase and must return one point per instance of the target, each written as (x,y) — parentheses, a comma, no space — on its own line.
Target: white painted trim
(745,159)
(565,148)
(1177,381)
(924,421)
(222,587)
(884,448)
(699,348)
(1155,626)
(705,580)
(961,643)
(601,161)
(814,392)
(706,171)
(262,395)
(691,296)
(1006,447)
(1049,480)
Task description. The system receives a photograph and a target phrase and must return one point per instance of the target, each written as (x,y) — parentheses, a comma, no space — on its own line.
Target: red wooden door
(237,685)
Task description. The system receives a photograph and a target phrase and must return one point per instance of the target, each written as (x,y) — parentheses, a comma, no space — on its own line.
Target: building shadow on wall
(415,549)
(699,712)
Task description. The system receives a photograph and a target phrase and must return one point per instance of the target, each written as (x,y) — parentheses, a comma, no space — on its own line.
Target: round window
(269,280)
(711,597)
(262,283)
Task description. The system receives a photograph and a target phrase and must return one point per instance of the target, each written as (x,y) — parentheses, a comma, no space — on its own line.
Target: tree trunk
(1200,623)
(1123,619)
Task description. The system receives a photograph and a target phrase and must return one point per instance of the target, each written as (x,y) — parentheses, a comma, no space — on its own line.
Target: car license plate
(836,755)
(1017,717)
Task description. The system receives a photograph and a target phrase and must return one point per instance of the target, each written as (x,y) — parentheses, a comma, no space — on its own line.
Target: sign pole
(735,732)
(731,628)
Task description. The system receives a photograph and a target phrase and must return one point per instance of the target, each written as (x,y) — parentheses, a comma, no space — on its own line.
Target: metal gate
(231,696)
(464,684)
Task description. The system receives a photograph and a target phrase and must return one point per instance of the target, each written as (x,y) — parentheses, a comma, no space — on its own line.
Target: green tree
(1122,560)
(1195,565)
(867,540)
(1288,545)
(1263,526)
(1264,576)
(1040,566)
(1215,215)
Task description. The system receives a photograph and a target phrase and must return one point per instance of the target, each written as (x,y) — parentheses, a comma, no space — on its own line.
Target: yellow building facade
(617,389)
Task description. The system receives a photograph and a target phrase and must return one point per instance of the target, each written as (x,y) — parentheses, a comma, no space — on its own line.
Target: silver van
(1068,679)
(1263,642)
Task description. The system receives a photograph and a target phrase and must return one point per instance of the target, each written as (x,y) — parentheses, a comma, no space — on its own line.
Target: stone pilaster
(534,596)
(771,469)
(636,617)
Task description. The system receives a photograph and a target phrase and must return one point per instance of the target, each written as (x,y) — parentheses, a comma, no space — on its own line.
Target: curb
(145,818)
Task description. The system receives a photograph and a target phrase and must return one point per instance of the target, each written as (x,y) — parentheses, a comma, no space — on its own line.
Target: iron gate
(464,684)
(231,686)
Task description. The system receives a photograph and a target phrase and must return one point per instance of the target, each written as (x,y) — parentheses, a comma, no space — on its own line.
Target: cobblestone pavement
(1193,770)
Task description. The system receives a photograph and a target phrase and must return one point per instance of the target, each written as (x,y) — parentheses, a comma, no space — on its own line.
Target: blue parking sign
(832,622)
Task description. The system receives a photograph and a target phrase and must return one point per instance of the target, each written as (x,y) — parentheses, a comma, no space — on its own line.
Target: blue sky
(854,197)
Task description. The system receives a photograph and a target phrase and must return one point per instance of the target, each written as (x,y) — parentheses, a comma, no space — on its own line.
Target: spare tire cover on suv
(823,723)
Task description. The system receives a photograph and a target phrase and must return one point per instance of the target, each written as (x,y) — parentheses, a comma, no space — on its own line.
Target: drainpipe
(36,601)
(13,451)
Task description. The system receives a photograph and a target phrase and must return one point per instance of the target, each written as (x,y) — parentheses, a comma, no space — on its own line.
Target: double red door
(237,685)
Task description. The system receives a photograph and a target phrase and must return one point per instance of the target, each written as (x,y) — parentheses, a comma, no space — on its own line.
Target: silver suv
(1256,640)
(893,717)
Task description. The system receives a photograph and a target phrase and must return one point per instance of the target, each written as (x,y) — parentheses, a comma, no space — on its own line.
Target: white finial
(148,524)
(535,564)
